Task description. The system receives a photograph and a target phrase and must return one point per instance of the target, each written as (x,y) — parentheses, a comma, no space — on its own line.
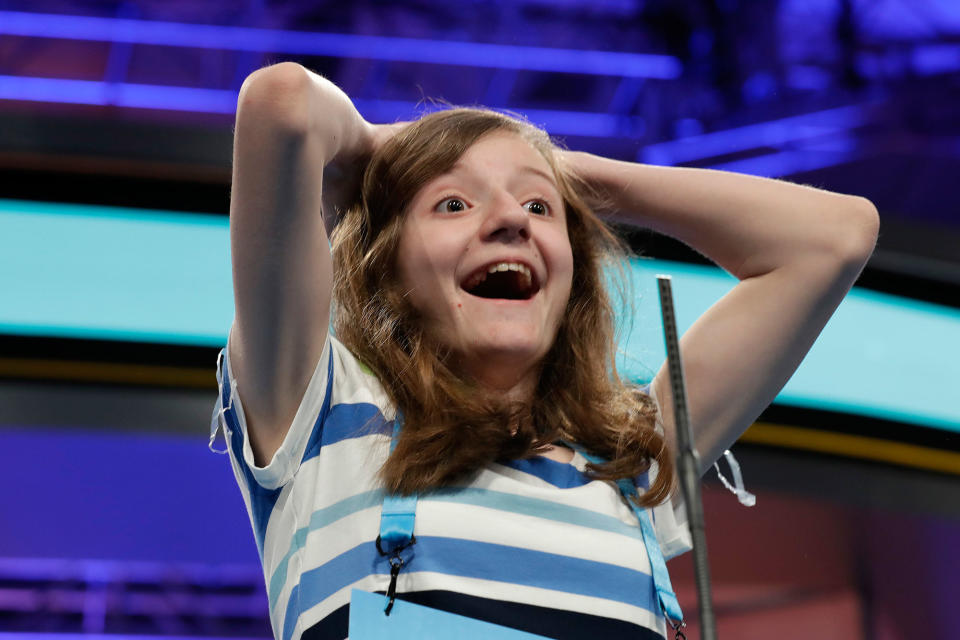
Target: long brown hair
(453,427)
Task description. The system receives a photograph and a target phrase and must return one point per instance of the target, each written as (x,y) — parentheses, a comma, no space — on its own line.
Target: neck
(515,382)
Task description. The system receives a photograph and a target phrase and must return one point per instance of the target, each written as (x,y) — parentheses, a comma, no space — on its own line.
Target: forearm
(747,225)
(293,128)
(797,251)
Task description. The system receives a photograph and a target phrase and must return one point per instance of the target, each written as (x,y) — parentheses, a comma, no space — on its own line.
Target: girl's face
(484,255)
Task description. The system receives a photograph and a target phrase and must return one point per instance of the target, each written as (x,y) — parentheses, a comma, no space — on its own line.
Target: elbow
(861,227)
(276,96)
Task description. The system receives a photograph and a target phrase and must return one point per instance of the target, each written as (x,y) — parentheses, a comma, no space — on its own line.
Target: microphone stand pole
(688,462)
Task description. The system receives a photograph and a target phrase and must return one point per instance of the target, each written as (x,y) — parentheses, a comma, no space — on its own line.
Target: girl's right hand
(343,176)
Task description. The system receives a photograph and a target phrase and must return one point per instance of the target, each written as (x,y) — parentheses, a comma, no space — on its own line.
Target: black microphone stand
(688,463)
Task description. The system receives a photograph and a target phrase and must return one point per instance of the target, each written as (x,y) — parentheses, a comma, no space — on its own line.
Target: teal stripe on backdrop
(880,355)
(84,271)
(81,271)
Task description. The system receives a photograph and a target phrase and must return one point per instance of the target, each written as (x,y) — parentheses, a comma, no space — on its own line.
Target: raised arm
(292,128)
(796,251)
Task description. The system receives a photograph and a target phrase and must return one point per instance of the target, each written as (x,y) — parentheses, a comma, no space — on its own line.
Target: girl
(471,361)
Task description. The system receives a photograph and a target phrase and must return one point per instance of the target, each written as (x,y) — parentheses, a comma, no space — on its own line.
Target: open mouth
(503,280)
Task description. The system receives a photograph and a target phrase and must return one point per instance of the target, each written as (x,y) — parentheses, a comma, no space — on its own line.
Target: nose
(506,221)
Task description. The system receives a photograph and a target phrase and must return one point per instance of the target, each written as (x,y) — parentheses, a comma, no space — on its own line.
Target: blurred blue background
(115,153)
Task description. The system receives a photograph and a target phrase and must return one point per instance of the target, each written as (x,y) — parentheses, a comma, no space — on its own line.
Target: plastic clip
(396,564)
(678,628)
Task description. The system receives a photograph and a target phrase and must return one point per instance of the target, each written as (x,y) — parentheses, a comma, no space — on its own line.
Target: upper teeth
(510,266)
(523,269)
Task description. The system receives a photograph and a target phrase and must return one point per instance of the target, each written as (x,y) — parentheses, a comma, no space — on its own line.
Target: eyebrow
(531,169)
(526,168)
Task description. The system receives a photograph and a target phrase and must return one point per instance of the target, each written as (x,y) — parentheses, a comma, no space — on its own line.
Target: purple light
(144,96)
(20,635)
(764,134)
(785,163)
(938,58)
(473,54)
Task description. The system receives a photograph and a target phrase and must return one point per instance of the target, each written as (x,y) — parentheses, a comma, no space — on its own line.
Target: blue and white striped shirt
(532,544)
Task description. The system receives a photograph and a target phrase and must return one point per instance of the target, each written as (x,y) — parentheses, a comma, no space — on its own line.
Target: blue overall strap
(661,578)
(658,566)
(399,512)
(396,527)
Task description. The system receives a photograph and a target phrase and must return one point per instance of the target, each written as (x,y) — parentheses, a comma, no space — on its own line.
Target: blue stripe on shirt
(319,519)
(316,434)
(498,500)
(559,474)
(262,500)
(477,560)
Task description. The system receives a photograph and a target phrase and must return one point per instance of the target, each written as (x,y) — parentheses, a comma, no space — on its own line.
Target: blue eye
(537,207)
(451,205)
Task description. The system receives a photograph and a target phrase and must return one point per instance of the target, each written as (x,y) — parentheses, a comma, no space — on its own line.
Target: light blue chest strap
(658,566)
(396,520)
(396,527)
(399,514)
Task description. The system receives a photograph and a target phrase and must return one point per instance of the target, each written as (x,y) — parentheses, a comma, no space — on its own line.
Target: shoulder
(341,394)
(352,381)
